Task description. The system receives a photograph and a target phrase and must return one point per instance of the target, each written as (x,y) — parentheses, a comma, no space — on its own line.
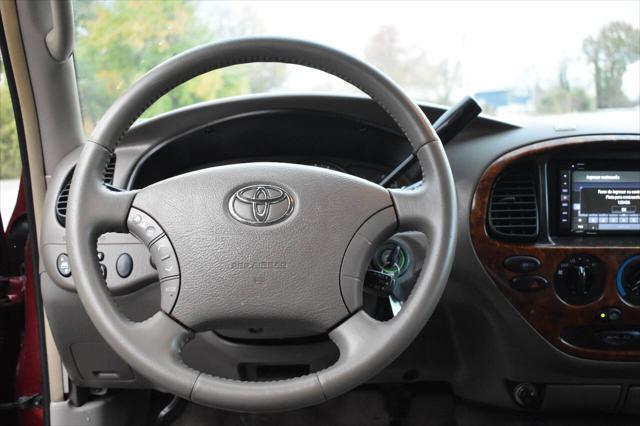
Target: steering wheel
(262,244)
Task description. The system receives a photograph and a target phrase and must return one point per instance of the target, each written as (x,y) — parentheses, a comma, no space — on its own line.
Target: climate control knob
(628,280)
(579,279)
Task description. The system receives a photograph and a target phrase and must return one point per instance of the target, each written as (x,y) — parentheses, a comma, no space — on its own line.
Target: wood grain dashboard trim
(543,309)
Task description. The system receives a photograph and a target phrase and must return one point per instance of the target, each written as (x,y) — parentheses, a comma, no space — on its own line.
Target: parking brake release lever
(452,122)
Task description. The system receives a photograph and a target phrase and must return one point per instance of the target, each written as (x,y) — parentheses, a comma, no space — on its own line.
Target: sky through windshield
(517,58)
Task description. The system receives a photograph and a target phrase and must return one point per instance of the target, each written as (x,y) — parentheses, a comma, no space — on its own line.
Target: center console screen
(600,201)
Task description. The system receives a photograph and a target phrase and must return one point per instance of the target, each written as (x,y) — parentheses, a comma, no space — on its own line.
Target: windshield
(516,58)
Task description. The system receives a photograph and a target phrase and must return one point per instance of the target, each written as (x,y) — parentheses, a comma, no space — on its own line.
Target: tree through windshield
(517,58)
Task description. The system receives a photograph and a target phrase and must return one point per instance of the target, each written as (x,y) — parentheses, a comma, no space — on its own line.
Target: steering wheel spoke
(106,208)
(114,207)
(364,345)
(426,205)
(165,337)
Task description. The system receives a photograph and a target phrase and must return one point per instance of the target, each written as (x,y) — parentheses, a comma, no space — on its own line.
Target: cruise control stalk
(452,122)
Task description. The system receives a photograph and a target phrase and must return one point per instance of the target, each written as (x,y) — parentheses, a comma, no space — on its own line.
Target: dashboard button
(63,265)
(522,263)
(527,283)
(103,271)
(124,265)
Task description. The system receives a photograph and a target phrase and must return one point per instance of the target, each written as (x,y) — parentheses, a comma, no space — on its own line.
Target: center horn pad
(261,245)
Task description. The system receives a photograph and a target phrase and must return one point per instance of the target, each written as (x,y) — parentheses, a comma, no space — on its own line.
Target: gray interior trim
(60,38)
(54,84)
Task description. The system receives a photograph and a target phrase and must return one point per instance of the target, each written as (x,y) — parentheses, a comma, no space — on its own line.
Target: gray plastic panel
(96,361)
(72,328)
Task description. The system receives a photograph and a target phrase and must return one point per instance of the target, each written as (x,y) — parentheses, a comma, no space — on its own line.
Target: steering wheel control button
(124,265)
(529,283)
(103,271)
(169,289)
(63,265)
(143,226)
(164,258)
(164,252)
(522,263)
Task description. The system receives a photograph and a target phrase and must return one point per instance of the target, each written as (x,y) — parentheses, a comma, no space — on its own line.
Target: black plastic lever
(447,127)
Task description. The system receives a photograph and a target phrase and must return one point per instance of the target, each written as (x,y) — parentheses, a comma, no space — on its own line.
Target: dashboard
(540,291)
(575,279)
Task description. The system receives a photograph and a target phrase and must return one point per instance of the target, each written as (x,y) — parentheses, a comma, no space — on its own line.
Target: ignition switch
(389,263)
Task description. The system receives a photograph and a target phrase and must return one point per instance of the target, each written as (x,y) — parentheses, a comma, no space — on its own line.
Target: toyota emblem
(261,205)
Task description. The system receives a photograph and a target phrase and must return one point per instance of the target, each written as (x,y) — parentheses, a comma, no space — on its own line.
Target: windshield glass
(516,58)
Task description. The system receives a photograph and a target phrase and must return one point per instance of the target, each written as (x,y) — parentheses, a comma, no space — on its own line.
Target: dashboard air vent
(110,170)
(63,196)
(513,207)
(61,202)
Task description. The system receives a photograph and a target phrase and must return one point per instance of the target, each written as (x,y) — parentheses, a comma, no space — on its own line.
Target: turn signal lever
(447,127)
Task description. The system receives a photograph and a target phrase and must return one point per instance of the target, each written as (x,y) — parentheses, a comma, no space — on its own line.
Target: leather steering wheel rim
(366,346)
